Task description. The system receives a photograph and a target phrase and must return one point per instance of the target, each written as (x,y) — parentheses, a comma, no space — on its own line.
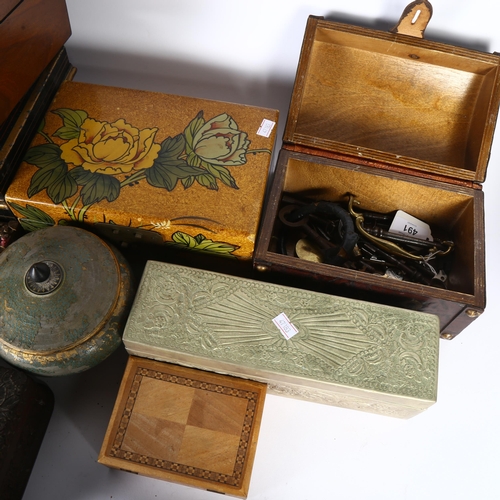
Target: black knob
(39,272)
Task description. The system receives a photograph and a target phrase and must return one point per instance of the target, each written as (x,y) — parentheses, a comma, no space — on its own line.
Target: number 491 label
(404,223)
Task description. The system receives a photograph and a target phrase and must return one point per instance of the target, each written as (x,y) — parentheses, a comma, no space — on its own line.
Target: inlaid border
(235,479)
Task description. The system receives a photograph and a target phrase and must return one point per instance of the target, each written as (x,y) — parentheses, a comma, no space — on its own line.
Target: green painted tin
(65,294)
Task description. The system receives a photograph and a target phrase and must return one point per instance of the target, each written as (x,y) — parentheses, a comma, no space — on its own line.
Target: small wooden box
(186,426)
(401,123)
(146,166)
(302,344)
(31,34)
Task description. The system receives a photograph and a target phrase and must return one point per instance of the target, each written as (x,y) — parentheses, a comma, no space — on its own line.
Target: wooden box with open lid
(381,122)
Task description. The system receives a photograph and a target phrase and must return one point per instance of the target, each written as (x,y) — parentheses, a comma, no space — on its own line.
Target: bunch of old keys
(343,234)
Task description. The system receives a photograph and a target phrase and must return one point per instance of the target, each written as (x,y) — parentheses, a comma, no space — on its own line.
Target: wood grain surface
(30,37)
(185,425)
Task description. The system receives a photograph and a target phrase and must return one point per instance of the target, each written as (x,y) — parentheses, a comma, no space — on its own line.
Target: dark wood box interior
(454,212)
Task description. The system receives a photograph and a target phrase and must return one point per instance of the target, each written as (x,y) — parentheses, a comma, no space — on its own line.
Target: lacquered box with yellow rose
(186,172)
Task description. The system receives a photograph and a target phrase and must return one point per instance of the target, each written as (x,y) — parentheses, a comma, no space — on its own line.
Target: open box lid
(394,99)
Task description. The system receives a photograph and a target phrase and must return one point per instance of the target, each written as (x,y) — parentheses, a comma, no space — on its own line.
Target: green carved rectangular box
(134,166)
(303,344)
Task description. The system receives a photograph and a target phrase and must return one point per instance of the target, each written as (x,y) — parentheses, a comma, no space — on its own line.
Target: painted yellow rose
(219,142)
(111,148)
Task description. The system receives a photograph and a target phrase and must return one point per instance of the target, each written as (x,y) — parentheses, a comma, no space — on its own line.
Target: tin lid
(59,286)
(395,99)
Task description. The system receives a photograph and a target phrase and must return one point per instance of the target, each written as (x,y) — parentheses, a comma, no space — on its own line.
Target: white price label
(285,326)
(266,127)
(404,223)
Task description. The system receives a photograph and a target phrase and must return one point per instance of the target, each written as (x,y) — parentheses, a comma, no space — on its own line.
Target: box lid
(189,171)
(394,99)
(304,344)
(185,425)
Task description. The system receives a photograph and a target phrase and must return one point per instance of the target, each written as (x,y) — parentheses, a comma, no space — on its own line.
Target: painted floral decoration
(96,159)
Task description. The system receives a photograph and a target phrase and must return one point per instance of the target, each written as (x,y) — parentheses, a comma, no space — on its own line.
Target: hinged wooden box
(393,122)
(146,166)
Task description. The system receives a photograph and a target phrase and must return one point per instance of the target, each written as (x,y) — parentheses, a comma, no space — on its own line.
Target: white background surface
(247,52)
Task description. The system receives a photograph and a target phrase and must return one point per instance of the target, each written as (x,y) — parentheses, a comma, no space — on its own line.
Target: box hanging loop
(414,19)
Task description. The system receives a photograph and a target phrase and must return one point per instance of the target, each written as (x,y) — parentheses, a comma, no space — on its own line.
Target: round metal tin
(70,320)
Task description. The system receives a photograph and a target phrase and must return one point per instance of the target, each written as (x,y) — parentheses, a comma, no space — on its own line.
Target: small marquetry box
(185,425)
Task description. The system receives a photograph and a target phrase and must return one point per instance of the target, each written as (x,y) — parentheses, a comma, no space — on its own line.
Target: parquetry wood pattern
(185,425)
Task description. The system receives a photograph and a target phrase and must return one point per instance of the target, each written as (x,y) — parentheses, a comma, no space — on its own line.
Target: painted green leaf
(168,168)
(193,159)
(99,187)
(72,121)
(63,188)
(32,217)
(221,173)
(184,239)
(172,147)
(188,181)
(199,238)
(66,133)
(81,175)
(161,177)
(216,247)
(208,245)
(49,174)
(43,154)
(208,181)
(167,175)
(191,130)
(201,244)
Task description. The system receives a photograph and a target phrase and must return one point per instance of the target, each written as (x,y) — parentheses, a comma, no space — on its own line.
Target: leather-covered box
(145,166)
(302,344)
(31,34)
(388,121)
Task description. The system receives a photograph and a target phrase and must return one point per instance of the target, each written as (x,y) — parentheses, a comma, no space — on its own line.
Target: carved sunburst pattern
(325,339)
(227,319)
